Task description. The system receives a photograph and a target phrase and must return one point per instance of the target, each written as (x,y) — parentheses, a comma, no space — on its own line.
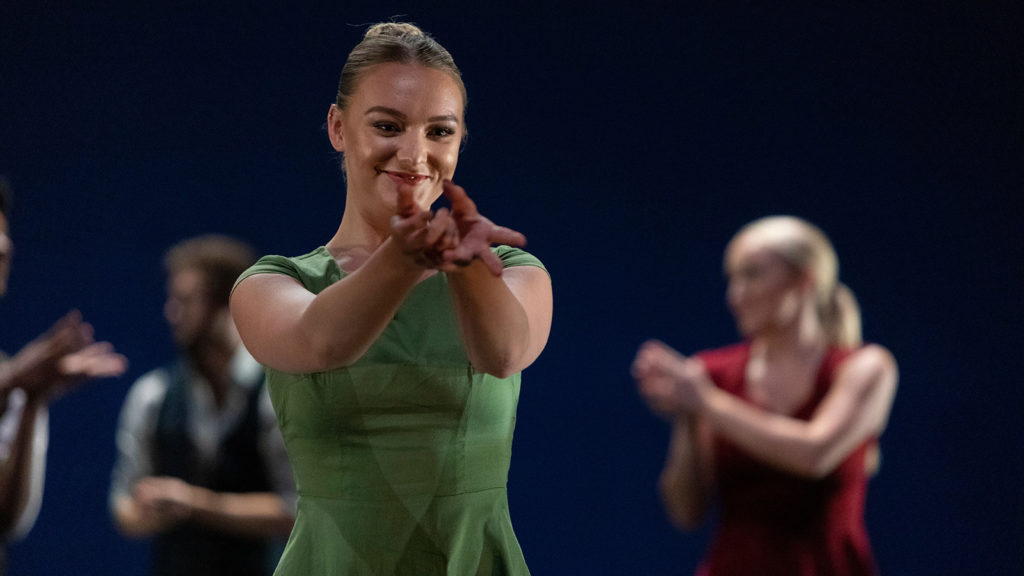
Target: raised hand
(447,240)
(423,234)
(669,382)
(476,234)
(62,357)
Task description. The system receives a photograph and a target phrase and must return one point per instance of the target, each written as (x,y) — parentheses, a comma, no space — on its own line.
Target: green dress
(401,459)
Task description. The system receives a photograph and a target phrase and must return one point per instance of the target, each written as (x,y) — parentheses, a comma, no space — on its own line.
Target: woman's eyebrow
(402,116)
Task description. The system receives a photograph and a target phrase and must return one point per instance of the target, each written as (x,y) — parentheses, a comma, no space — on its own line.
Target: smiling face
(765,292)
(402,127)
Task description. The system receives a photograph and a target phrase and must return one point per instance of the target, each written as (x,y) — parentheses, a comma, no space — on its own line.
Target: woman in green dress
(393,352)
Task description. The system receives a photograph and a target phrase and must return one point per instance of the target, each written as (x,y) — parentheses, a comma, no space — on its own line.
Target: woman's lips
(405,177)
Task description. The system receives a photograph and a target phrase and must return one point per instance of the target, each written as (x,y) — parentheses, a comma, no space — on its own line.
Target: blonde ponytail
(841,318)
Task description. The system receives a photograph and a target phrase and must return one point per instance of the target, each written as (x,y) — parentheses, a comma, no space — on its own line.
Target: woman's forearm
(685,480)
(345,319)
(288,328)
(505,319)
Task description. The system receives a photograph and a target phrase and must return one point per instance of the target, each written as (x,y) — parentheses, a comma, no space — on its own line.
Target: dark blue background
(628,142)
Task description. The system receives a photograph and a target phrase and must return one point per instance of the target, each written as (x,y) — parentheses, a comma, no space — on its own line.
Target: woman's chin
(746,329)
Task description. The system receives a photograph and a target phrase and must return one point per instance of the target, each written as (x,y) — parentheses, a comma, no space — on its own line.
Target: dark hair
(400,42)
(221,260)
(5,196)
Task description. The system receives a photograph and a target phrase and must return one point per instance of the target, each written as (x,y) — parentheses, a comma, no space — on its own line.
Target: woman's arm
(287,327)
(686,480)
(504,315)
(855,409)
(688,475)
(504,320)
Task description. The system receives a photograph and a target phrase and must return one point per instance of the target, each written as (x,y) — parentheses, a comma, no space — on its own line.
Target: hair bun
(396,29)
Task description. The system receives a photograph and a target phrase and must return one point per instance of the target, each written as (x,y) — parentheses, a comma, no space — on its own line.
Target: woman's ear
(334,127)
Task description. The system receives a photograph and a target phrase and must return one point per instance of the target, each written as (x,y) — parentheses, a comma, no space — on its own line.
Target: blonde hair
(808,250)
(400,42)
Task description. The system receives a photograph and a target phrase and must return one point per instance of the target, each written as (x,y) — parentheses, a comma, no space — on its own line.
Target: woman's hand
(476,234)
(669,382)
(447,240)
(422,234)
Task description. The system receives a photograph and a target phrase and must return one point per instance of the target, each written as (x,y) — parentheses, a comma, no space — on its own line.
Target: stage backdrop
(628,142)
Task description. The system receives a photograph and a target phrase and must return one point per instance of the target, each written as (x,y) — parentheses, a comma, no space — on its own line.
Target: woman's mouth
(406,178)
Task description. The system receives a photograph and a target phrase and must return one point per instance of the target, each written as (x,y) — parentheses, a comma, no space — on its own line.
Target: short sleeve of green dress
(401,459)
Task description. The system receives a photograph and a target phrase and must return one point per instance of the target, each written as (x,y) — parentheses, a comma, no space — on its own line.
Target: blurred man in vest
(201,464)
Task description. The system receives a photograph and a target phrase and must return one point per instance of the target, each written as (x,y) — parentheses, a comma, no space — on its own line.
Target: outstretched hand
(423,234)
(447,240)
(476,233)
(669,382)
(61,358)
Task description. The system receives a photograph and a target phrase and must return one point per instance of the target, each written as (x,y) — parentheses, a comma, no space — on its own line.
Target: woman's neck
(356,235)
(803,338)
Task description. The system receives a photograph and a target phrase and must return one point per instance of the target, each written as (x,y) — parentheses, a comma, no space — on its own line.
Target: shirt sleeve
(272,264)
(10,423)
(135,433)
(512,257)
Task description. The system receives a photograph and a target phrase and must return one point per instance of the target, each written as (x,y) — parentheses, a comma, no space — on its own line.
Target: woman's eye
(442,131)
(386,127)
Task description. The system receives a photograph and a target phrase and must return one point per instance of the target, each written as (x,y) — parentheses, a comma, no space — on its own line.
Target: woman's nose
(412,150)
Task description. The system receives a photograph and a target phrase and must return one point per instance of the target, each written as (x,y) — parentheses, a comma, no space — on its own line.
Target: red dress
(776,523)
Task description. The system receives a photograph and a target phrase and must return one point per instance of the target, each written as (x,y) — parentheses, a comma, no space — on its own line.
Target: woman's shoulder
(511,257)
(315,270)
(869,358)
